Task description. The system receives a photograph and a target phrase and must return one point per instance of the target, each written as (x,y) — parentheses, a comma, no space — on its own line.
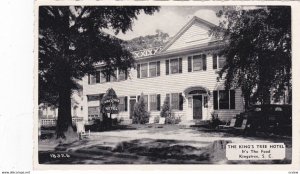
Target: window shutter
(97,76)
(204,62)
(189,64)
(126,74)
(89,79)
(215,61)
(232,99)
(93,79)
(180,65)
(215,100)
(180,102)
(139,98)
(158,101)
(167,67)
(138,70)
(107,78)
(158,68)
(125,102)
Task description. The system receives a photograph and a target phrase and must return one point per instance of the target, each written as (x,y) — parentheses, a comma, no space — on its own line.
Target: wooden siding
(197,34)
(167,84)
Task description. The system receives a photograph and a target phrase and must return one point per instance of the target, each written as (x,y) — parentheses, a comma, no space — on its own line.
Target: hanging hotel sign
(110,102)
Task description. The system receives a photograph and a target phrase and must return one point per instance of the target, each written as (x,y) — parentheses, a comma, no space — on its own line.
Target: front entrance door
(197,107)
(132,102)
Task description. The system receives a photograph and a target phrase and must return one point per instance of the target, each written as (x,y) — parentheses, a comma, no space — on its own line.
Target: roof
(160,51)
(185,28)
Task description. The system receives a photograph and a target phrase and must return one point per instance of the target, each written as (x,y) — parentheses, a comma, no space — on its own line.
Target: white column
(85,109)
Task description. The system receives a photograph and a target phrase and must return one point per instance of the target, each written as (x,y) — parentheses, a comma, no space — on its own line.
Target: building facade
(185,70)
(48,114)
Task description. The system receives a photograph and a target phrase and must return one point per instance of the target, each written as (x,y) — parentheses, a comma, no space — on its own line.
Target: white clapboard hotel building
(185,69)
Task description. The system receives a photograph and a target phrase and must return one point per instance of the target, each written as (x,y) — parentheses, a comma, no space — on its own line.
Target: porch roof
(202,89)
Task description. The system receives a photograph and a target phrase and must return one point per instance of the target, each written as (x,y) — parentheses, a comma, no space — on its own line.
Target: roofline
(188,50)
(184,28)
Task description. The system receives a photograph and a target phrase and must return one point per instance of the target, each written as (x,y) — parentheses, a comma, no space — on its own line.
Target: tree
(149,41)
(71,42)
(140,114)
(166,109)
(257,50)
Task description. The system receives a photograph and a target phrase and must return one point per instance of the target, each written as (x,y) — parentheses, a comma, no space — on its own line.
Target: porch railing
(146,52)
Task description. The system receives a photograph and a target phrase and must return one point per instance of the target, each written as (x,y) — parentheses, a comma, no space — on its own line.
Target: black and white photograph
(162,84)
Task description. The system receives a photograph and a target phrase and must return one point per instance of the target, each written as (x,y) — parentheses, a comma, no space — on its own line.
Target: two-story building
(185,70)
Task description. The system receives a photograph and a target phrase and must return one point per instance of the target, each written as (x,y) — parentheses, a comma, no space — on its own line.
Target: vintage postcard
(166,85)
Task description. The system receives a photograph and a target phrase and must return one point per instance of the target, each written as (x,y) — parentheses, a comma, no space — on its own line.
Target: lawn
(151,144)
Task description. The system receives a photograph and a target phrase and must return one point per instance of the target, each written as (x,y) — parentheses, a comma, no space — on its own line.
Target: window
(224,99)
(122,75)
(154,69)
(93,112)
(176,101)
(215,59)
(92,79)
(114,77)
(102,77)
(144,70)
(123,104)
(155,102)
(197,63)
(174,66)
(146,102)
(218,62)
(222,62)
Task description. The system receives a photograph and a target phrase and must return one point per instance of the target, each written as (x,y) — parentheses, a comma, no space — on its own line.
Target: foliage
(149,41)
(140,114)
(215,121)
(71,42)
(258,50)
(166,108)
(172,119)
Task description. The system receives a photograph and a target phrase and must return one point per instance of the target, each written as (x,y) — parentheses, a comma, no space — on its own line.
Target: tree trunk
(64,121)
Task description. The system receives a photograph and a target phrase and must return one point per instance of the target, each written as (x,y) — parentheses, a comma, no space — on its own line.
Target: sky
(170,19)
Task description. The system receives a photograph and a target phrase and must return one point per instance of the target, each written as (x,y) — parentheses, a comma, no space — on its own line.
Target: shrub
(166,109)
(140,114)
(172,119)
(215,121)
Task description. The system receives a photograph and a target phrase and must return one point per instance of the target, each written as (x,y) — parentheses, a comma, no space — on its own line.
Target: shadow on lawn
(148,151)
